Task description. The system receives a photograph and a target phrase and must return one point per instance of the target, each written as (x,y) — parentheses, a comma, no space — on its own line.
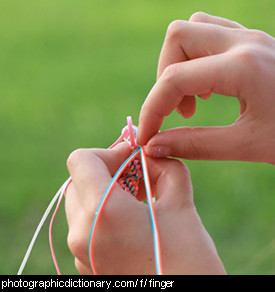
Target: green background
(70,74)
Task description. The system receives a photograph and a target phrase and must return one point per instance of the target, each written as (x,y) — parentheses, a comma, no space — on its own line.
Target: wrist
(187,247)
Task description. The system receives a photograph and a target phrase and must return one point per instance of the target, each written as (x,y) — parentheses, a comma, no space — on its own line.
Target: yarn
(131,177)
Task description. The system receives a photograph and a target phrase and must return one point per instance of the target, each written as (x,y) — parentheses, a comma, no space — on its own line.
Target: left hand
(124,242)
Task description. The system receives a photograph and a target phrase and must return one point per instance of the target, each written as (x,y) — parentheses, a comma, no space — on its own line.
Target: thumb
(171,181)
(199,143)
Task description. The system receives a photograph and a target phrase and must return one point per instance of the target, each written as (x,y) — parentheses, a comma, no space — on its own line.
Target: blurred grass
(70,73)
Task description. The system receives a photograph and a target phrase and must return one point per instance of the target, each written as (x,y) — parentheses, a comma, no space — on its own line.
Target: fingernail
(157,151)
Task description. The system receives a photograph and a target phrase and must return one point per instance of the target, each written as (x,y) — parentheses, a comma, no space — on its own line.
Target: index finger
(216,74)
(193,61)
(92,169)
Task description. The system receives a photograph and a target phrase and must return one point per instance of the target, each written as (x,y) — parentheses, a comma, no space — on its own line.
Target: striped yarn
(131,177)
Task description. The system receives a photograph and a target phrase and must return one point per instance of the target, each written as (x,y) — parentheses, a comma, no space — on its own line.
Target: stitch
(131,178)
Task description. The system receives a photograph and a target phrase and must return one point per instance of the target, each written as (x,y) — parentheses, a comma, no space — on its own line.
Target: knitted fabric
(130,179)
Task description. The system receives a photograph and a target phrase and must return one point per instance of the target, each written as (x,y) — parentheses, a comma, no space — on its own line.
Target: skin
(204,55)
(123,242)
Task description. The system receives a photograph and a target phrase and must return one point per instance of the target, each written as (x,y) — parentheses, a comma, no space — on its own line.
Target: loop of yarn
(130,179)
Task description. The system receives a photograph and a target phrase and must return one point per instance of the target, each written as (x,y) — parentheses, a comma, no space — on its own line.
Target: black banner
(107,283)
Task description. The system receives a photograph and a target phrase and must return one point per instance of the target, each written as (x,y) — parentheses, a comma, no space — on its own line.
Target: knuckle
(76,245)
(175,29)
(248,58)
(170,72)
(75,156)
(259,36)
(198,17)
(81,267)
(73,244)
(169,78)
(253,53)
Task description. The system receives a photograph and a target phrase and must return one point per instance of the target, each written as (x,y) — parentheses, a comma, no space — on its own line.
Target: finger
(209,74)
(82,268)
(171,181)
(187,40)
(200,143)
(187,107)
(205,96)
(92,169)
(73,205)
(78,224)
(206,18)
(78,240)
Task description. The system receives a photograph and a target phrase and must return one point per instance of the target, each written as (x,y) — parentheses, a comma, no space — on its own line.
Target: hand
(204,55)
(124,242)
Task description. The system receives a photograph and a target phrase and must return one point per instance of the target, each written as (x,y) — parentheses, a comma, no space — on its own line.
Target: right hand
(204,55)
